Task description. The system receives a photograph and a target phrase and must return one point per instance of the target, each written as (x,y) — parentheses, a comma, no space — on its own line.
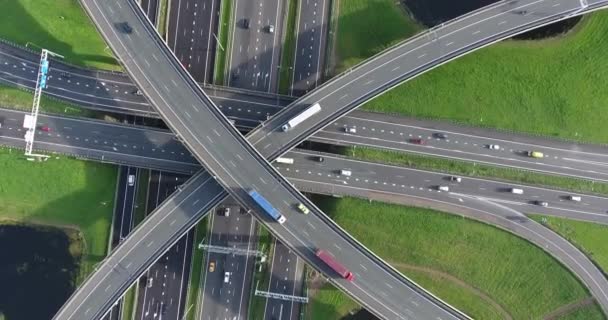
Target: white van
(226,277)
(517,191)
(345,172)
(443,188)
(350,129)
(131,180)
(284,160)
(575,198)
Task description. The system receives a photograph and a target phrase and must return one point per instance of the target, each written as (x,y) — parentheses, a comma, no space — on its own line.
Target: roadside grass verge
(221,56)
(329,303)
(366,27)
(14,98)
(554,87)
(289,47)
(140,199)
(61,26)
(162,18)
(591,238)
(128,303)
(516,275)
(464,168)
(261,279)
(196,270)
(60,192)
(590,312)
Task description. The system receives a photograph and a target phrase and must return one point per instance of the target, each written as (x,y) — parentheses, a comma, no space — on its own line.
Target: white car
(131,180)
(455,179)
(443,188)
(517,191)
(345,172)
(575,198)
(350,130)
(494,147)
(226,277)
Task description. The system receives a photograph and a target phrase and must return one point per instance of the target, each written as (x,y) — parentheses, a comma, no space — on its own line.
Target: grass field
(592,312)
(551,87)
(591,238)
(61,26)
(221,56)
(11,97)
(61,192)
(329,303)
(287,53)
(475,170)
(476,254)
(366,27)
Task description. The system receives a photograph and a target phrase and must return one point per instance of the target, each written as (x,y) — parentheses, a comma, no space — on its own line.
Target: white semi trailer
(301,117)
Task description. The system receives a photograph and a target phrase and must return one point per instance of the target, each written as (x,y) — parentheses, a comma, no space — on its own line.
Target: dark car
(65,75)
(440,135)
(416,141)
(245,23)
(125,27)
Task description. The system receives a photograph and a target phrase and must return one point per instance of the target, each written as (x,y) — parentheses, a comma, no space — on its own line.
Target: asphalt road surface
(151,9)
(193,26)
(255,54)
(227,281)
(162,290)
(286,277)
(311,30)
(223,124)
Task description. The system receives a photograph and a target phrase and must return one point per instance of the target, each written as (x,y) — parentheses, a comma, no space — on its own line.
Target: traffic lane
(150,7)
(284,273)
(381,177)
(310,45)
(495,214)
(416,55)
(221,299)
(254,61)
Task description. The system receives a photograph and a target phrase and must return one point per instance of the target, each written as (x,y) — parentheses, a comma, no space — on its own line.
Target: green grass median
(14,98)
(196,271)
(289,47)
(222,51)
(60,192)
(484,271)
(61,26)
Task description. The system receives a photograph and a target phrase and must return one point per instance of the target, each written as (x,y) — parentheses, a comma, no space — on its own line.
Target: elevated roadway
(568,11)
(208,124)
(400,185)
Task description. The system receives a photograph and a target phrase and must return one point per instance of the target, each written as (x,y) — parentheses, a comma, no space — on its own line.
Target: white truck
(301,117)
(284,160)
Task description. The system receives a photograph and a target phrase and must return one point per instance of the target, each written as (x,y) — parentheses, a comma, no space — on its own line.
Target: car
(131,180)
(575,198)
(245,23)
(346,172)
(270,29)
(443,188)
(226,212)
(541,203)
(350,130)
(517,191)
(125,27)
(137,92)
(149,282)
(416,141)
(320,159)
(455,179)
(226,277)
(211,266)
(493,147)
(535,154)
(45,129)
(440,135)
(303,208)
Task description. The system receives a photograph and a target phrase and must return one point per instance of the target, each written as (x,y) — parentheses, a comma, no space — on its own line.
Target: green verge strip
(19,99)
(465,168)
(128,304)
(287,55)
(141,199)
(261,279)
(196,271)
(519,277)
(222,50)
(162,18)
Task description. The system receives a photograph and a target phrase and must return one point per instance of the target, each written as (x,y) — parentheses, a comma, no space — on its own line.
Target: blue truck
(268,208)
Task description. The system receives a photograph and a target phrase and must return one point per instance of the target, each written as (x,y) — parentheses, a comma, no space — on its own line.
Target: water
(36,272)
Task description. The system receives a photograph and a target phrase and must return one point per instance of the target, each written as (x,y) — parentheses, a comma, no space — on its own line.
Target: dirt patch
(569,308)
(453,279)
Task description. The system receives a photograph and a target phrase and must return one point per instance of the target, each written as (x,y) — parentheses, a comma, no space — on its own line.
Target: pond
(433,12)
(37,271)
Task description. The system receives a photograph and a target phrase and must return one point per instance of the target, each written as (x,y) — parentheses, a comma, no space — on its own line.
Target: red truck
(337,266)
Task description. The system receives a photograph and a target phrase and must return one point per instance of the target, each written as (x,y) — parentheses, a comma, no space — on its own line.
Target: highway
(255,53)
(152,10)
(249,163)
(162,290)
(221,299)
(311,31)
(366,190)
(286,277)
(193,26)
(233,149)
